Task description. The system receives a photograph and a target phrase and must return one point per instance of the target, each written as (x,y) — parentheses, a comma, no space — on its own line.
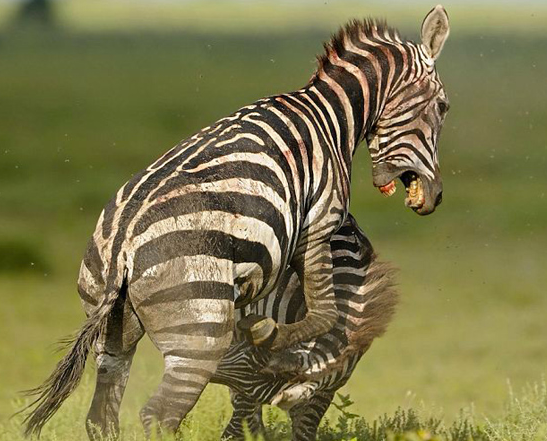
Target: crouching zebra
(365,298)
(212,225)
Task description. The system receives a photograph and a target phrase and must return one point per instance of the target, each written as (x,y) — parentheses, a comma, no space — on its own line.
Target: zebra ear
(435,30)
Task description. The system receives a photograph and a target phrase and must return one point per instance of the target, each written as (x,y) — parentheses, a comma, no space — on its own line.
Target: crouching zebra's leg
(191,323)
(306,416)
(313,264)
(247,413)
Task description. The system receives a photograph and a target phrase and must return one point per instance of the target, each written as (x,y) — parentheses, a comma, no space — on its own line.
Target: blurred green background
(97,90)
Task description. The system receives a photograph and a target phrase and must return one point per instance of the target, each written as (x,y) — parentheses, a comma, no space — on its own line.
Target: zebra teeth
(415,193)
(389,189)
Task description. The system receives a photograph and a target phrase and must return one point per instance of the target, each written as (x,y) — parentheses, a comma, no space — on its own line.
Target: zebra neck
(354,82)
(353,99)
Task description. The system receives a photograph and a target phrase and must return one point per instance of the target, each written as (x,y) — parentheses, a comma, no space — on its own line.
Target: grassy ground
(83,111)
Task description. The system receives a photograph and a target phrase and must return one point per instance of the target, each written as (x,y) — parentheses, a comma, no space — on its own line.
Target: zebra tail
(68,372)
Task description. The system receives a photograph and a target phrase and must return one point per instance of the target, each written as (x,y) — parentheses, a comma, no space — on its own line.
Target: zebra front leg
(245,412)
(307,416)
(315,271)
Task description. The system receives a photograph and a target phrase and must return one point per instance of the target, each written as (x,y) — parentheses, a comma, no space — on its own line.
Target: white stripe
(172,361)
(86,278)
(181,342)
(205,310)
(190,269)
(240,136)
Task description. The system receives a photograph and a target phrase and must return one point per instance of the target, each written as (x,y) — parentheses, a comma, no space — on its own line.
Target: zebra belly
(241,370)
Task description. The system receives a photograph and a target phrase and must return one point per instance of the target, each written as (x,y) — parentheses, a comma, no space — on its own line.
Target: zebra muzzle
(389,189)
(415,194)
(284,363)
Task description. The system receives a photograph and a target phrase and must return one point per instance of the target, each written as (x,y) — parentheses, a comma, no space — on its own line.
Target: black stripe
(194,242)
(93,261)
(210,329)
(198,290)
(348,279)
(171,379)
(352,87)
(338,109)
(141,193)
(86,297)
(242,204)
(228,170)
(193,371)
(108,217)
(411,148)
(416,132)
(197,354)
(128,188)
(323,110)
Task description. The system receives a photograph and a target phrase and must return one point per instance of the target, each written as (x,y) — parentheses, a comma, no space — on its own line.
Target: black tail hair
(68,372)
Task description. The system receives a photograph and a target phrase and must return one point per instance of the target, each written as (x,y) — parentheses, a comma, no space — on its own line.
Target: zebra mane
(367,29)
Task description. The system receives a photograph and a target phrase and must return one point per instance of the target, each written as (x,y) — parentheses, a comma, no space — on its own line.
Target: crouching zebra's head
(403,140)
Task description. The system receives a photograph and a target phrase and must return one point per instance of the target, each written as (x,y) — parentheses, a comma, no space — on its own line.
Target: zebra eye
(443,107)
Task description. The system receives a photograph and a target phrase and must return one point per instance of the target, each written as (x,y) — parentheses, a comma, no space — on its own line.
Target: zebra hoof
(283,363)
(258,330)
(294,395)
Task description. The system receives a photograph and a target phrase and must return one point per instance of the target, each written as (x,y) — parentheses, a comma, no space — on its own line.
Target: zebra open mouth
(415,195)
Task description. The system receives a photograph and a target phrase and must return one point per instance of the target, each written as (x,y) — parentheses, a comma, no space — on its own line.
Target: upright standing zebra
(316,369)
(213,223)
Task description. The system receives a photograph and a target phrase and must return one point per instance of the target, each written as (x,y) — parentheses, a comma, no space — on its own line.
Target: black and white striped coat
(366,300)
(213,224)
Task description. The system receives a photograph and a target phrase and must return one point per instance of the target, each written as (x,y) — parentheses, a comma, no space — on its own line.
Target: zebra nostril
(439,198)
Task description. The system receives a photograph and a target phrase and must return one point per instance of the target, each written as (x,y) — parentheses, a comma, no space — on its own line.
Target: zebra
(212,225)
(366,300)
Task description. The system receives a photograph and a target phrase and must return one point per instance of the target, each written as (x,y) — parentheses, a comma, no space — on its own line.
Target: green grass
(81,111)
(523,419)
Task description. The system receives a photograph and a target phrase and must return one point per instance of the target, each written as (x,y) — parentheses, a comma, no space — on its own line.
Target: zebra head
(403,141)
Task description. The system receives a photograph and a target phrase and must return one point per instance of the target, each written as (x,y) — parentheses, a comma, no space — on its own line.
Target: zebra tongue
(389,189)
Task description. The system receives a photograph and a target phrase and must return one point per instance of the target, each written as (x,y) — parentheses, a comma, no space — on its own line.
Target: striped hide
(213,224)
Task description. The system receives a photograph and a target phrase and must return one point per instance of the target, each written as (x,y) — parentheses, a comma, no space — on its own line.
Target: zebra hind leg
(191,323)
(113,356)
(307,416)
(247,412)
